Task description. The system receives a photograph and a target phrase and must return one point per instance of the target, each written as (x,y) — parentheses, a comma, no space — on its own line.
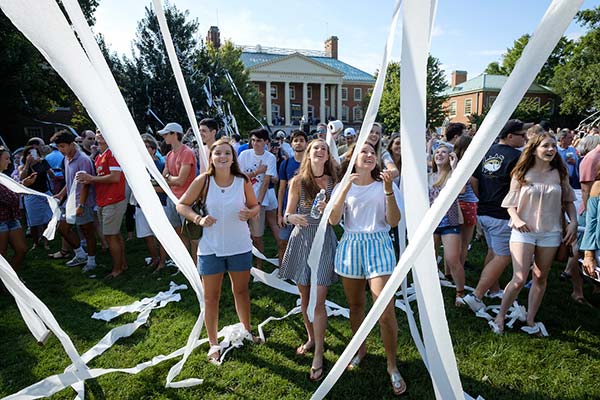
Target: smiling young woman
(539,187)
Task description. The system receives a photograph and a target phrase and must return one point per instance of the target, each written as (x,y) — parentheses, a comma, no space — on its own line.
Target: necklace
(320,176)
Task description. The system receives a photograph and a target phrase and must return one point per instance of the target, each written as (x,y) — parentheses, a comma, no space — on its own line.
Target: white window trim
(274,95)
(356,109)
(308,92)
(345,113)
(359,96)
(452,106)
(292,92)
(326,94)
(310,111)
(275,110)
(470,106)
(344,90)
(491,100)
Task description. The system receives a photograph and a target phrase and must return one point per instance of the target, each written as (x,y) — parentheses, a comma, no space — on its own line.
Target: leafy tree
(559,56)
(529,110)
(389,108)
(29,86)
(577,81)
(227,59)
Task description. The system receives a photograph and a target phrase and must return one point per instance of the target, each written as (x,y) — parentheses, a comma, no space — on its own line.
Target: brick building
(309,83)
(466,97)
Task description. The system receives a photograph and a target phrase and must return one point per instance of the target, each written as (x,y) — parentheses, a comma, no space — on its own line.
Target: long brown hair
(375,172)
(445,173)
(306,175)
(527,159)
(235,167)
(461,145)
(389,150)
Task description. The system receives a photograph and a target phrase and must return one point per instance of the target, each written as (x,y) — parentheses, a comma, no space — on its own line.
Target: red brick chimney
(458,77)
(331,47)
(214,37)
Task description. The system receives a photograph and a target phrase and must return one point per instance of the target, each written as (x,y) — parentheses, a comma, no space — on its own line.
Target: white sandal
(214,349)
(538,329)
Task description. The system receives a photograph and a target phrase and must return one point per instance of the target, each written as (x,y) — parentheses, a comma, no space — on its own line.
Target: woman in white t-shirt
(225,245)
(368,203)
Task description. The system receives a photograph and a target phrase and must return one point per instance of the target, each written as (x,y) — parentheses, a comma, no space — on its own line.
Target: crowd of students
(521,198)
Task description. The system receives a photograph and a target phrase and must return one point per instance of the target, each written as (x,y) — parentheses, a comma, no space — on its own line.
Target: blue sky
(467,35)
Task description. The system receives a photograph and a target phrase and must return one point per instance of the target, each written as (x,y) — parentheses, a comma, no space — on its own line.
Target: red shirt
(109,193)
(175,159)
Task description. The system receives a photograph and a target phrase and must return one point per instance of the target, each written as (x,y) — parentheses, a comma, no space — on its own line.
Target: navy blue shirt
(287,170)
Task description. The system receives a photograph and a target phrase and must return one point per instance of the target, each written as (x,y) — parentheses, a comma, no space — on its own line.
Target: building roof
(489,83)
(254,59)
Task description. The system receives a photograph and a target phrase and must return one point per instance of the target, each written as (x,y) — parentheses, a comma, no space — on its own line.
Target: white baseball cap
(171,127)
(349,132)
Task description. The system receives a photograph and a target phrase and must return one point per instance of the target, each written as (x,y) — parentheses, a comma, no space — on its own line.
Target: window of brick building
(357,94)
(344,94)
(452,109)
(311,111)
(468,106)
(345,111)
(357,113)
(292,93)
(309,92)
(34,131)
(274,93)
(491,100)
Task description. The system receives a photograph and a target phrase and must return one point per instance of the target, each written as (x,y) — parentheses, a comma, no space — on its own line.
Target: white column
(339,103)
(286,98)
(268,111)
(305,100)
(332,103)
(322,115)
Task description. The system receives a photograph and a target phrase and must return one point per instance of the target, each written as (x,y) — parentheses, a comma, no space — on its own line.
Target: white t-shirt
(249,162)
(364,208)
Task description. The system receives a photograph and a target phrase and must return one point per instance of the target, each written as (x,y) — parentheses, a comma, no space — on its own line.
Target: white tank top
(229,235)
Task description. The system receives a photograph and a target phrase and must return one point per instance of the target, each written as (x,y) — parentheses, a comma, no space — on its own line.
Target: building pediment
(295,64)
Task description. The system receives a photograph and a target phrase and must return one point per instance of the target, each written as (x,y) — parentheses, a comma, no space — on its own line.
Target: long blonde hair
(306,175)
(445,172)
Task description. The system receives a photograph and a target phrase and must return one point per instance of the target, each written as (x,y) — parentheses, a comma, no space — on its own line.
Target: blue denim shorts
(211,264)
(8,226)
(447,230)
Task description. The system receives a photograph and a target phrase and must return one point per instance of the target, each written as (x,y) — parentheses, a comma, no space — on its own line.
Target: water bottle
(314,211)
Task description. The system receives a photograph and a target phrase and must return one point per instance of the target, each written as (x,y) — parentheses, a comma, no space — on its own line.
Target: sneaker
(76,261)
(88,267)
(474,303)
(494,295)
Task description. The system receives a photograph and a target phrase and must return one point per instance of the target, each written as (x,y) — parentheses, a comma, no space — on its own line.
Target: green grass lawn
(514,366)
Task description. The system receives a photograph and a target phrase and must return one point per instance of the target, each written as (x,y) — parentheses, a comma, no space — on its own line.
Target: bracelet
(286,219)
(389,194)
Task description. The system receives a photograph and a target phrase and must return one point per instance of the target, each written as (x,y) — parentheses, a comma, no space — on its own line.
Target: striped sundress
(295,260)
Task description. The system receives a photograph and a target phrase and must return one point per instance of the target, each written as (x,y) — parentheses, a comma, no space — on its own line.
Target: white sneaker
(88,267)
(474,303)
(76,261)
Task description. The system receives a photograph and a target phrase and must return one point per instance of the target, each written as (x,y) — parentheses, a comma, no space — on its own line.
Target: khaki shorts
(111,217)
(257,224)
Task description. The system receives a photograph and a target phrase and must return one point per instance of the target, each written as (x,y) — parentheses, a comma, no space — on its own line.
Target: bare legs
(212,294)
(316,329)
(355,294)
(116,246)
(16,239)
(452,253)
(491,273)
(522,254)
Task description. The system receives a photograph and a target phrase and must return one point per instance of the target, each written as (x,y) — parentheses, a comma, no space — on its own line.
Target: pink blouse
(539,200)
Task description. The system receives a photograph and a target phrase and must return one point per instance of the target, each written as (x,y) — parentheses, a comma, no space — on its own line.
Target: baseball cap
(280,134)
(511,126)
(349,132)
(171,127)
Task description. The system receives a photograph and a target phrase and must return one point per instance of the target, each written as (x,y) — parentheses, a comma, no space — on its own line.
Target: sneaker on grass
(474,303)
(76,261)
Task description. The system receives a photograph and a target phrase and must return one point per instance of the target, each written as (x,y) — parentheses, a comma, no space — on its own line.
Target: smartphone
(34,154)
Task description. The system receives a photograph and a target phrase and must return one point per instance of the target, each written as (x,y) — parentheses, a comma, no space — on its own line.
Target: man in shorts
(491,182)
(179,172)
(110,198)
(287,170)
(76,161)
(261,167)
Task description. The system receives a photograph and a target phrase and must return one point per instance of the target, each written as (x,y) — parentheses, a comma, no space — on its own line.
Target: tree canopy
(577,81)
(389,108)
